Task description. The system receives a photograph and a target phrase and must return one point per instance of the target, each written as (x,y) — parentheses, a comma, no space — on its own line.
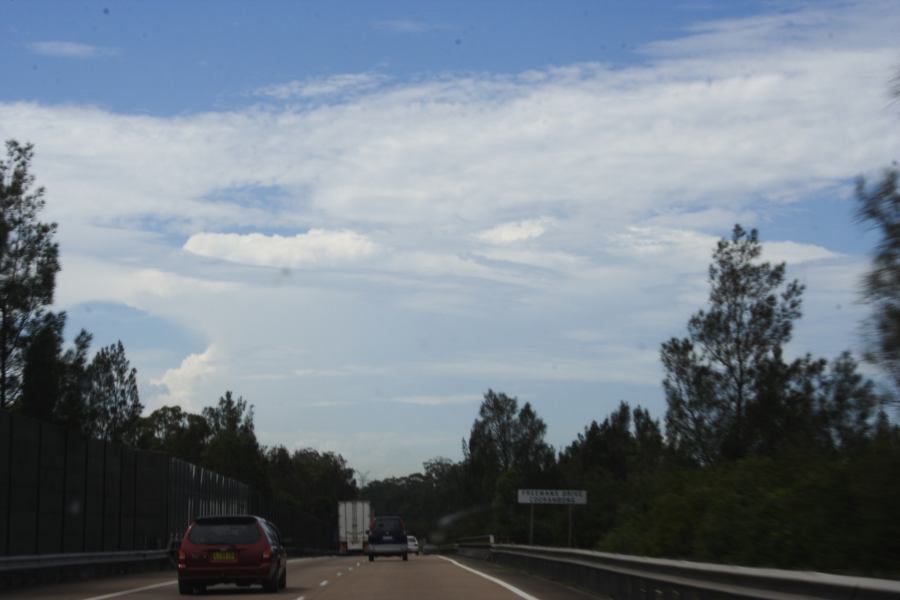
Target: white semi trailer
(353,522)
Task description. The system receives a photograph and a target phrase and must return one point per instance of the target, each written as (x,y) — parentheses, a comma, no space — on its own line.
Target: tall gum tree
(713,375)
(29,262)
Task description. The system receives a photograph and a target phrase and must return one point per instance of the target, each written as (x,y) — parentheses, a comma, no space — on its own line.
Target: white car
(413,544)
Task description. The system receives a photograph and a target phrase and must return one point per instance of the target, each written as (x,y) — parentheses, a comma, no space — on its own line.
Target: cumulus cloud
(312,248)
(60,49)
(180,383)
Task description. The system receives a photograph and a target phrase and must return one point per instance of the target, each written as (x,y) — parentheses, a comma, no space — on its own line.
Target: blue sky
(362,215)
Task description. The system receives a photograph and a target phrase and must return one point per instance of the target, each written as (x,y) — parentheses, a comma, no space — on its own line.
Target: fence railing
(631,577)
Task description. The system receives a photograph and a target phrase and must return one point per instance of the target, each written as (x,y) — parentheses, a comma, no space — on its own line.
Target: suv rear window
(388,524)
(224,532)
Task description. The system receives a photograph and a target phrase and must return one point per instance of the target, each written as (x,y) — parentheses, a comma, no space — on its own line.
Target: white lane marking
(324,583)
(499,582)
(132,591)
(307,558)
(302,598)
(339,574)
(351,568)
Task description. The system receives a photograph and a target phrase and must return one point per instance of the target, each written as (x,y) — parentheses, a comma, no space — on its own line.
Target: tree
(230,416)
(505,451)
(714,374)
(72,410)
(504,437)
(113,400)
(42,374)
(310,480)
(29,261)
(233,449)
(880,206)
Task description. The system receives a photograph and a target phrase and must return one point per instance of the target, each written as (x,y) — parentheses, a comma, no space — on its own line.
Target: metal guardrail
(625,577)
(57,561)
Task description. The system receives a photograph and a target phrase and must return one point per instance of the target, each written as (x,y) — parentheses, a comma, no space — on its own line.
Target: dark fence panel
(24,478)
(94,497)
(112,496)
(5,488)
(127,494)
(75,496)
(51,496)
(150,500)
(63,493)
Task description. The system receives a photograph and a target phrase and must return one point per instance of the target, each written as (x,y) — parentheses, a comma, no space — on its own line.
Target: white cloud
(180,384)
(518,231)
(61,49)
(312,248)
(793,253)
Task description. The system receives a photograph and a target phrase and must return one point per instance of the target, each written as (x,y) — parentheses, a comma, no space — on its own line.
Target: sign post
(565,497)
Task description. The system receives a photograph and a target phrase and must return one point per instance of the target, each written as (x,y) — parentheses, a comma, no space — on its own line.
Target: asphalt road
(339,578)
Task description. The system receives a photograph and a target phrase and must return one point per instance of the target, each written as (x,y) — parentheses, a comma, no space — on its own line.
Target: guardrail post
(531,527)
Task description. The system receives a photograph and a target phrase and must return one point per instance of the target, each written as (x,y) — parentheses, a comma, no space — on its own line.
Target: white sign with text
(552,496)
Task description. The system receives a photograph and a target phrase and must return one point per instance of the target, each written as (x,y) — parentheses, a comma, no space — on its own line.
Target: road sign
(553,497)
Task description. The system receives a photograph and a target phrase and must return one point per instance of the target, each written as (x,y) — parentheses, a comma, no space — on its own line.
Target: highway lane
(338,578)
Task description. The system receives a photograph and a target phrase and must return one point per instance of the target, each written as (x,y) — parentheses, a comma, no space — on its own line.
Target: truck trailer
(353,521)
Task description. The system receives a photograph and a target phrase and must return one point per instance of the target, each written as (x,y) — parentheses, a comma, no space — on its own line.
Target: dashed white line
(339,574)
(499,582)
(324,583)
(301,598)
(132,591)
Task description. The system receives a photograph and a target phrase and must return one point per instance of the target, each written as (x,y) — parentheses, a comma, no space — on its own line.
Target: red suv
(243,549)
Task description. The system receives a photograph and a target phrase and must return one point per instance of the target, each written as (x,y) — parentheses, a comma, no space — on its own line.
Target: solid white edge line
(499,582)
(132,591)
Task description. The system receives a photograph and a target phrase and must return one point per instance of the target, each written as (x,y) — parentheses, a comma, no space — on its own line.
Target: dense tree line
(223,438)
(762,461)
